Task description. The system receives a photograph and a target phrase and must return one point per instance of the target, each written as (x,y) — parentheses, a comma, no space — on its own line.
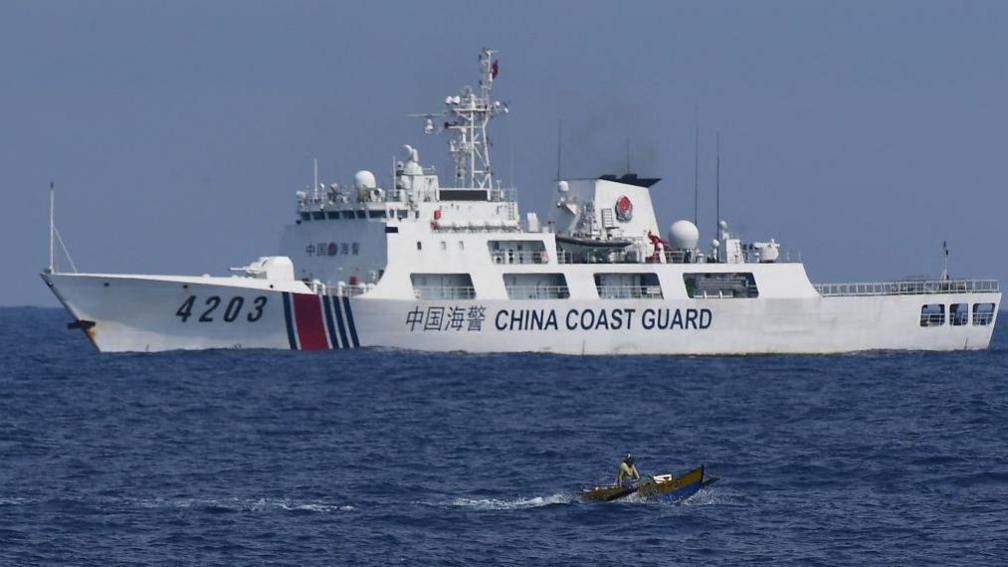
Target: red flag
(494,70)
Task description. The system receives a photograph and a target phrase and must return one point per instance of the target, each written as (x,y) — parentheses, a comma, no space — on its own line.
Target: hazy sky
(860,134)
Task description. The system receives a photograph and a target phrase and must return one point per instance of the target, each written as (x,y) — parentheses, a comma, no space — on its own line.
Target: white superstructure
(419,266)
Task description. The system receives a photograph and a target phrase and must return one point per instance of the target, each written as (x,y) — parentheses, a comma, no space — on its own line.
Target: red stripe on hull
(310,326)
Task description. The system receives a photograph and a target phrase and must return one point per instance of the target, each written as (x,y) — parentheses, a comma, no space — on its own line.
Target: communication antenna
(696,166)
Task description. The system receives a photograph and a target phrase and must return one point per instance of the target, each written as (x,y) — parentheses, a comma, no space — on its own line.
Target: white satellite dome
(412,165)
(684,235)
(364,179)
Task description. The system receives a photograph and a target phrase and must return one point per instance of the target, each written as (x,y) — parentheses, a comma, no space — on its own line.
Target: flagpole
(52,227)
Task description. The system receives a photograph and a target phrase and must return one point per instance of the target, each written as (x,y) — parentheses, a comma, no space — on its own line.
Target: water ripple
(394,457)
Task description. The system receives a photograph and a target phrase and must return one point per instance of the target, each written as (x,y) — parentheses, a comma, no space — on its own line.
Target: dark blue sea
(386,457)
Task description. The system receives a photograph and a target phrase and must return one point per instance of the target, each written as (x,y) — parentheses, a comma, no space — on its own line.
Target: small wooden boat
(657,487)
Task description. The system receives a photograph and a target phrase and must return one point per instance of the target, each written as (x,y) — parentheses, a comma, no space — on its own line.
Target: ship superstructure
(419,266)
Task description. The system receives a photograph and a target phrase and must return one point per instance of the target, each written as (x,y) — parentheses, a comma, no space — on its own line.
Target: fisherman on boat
(627,471)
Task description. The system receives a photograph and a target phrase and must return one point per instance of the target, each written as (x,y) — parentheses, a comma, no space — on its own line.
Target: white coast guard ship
(416,265)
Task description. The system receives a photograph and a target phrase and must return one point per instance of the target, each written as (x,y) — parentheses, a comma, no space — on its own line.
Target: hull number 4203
(206,312)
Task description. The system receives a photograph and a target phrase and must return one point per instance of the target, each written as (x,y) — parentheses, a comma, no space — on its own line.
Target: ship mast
(466,119)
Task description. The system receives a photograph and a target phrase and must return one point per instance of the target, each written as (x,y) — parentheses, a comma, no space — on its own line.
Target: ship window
(402,214)
(536,286)
(333,215)
(355,248)
(932,315)
(376,214)
(628,286)
(464,195)
(461,245)
(305,216)
(344,248)
(443,286)
(318,215)
(444,245)
(959,314)
(362,214)
(721,285)
(347,215)
(983,313)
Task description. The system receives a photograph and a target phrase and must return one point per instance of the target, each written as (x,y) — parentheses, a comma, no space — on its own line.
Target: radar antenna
(466,118)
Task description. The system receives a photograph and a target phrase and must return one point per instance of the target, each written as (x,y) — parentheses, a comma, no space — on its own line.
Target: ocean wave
(512,503)
(243,505)
(707,497)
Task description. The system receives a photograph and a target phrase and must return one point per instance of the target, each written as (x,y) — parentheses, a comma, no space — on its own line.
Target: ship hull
(150,313)
(146,314)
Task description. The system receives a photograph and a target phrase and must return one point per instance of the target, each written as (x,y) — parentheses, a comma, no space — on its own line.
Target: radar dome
(364,179)
(412,166)
(684,235)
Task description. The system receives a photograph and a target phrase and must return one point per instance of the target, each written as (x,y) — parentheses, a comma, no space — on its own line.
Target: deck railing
(338,289)
(631,257)
(515,257)
(564,257)
(629,291)
(447,292)
(538,292)
(911,287)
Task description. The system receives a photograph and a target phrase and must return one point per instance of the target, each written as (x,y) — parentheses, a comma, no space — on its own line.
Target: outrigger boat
(657,487)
